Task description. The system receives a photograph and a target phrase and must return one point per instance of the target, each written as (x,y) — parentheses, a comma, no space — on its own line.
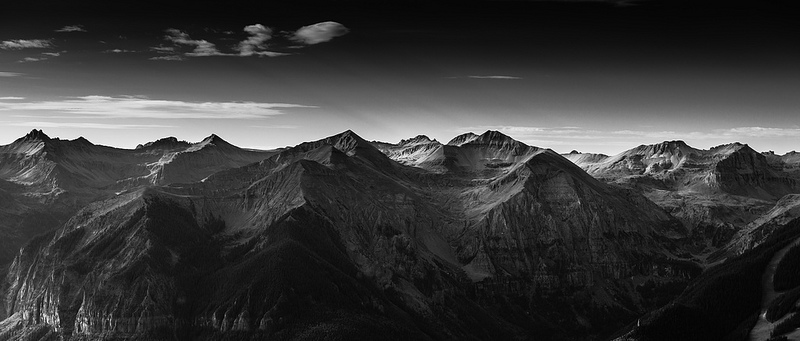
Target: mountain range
(484,237)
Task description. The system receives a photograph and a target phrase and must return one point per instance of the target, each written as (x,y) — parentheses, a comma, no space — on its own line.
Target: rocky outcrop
(746,172)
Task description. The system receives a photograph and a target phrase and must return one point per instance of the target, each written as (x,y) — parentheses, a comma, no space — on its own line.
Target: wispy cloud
(31,59)
(279,126)
(11,98)
(494,77)
(727,134)
(10,74)
(87,125)
(201,47)
(71,28)
(138,107)
(319,32)
(257,40)
(763,132)
(561,136)
(255,45)
(170,57)
(52,54)
(163,49)
(19,44)
(118,51)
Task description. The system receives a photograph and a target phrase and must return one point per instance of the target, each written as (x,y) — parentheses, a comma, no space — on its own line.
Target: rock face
(714,192)
(789,163)
(733,169)
(784,211)
(44,181)
(333,238)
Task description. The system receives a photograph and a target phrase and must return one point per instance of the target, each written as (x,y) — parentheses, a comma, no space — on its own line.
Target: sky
(591,76)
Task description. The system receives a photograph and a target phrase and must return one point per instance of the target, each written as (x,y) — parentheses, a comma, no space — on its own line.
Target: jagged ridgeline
(484,237)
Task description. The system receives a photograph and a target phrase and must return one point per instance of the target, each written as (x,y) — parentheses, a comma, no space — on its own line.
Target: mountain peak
(213,138)
(36,134)
(462,139)
(494,137)
(166,142)
(678,143)
(348,135)
(211,141)
(82,140)
(419,139)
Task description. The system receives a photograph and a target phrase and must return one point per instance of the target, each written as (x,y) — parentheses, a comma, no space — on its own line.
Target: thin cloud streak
(88,125)
(494,77)
(563,136)
(136,108)
(31,59)
(71,28)
(170,58)
(11,98)
(10,74)
(19,44)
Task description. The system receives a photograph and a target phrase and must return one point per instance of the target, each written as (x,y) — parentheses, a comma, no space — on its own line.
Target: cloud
(257,40)
(118,51)
(163,49)
(31,59)
(319,32)
(71,28)
(11,98)
(201,47)
(494,77)
(19,44)
(764,132)
(170,58)
(279,126)
(10,74)
(721,134)
(138,107)
(529,134)
(87,125)
(52,54)
(252,46)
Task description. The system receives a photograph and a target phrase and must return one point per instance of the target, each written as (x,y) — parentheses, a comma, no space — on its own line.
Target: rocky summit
(482,238)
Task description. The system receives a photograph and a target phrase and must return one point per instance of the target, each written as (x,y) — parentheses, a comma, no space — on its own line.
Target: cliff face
(334,238)
(746,172)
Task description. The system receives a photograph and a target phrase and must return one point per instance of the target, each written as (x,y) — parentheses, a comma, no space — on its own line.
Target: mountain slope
(524,214)
(334,237)
(303,214)
(44,181)
(714,192)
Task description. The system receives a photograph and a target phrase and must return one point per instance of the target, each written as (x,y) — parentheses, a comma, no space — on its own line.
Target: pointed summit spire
(37,135)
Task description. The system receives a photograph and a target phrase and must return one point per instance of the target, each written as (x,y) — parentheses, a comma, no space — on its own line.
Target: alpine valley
(481,238)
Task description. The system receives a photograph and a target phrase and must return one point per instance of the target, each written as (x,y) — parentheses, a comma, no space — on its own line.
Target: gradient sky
(591,76)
